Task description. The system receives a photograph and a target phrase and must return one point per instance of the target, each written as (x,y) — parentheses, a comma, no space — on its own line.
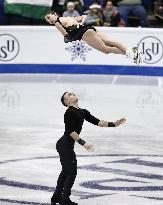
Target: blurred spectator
(159,9)
(3,16)
(111,15)
(148,4)
(134,7)
(79,5)
(87,4)
(71,10)
(58,6)
(94,16)
(101,2)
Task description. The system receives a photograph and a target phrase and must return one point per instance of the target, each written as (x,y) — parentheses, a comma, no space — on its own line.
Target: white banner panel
(45,45)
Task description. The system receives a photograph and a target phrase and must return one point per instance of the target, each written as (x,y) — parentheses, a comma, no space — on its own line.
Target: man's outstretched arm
(104,123)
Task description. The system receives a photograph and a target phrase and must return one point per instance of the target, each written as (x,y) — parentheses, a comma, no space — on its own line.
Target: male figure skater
(73,119)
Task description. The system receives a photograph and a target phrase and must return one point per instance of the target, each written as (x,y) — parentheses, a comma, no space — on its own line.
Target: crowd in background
(144,13)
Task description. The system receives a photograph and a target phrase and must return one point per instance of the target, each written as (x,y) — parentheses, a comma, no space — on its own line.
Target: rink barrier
(81,69)
(42,49)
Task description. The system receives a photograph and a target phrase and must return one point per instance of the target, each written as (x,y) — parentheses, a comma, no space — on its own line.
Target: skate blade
(138,59)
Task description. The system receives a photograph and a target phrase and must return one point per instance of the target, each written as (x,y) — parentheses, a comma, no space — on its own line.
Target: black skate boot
(55,200)
(137,56)
(67,202)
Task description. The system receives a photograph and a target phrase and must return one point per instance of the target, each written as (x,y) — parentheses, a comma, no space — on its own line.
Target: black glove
(67,38)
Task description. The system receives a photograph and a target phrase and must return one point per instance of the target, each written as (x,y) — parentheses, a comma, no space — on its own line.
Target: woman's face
(109,6)
(51,18)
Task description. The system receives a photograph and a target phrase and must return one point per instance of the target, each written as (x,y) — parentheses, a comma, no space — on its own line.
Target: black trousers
(69,167)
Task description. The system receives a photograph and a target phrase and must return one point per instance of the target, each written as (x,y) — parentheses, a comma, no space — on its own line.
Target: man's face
(70,98)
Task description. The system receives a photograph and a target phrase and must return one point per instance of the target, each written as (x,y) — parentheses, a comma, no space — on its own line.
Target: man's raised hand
(120,122)
(88,147)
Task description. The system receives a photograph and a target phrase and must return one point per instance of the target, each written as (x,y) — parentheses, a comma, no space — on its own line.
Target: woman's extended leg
(112,43)
(101,43)
(95,41)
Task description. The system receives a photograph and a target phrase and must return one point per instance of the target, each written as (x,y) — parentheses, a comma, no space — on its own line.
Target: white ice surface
(31,121)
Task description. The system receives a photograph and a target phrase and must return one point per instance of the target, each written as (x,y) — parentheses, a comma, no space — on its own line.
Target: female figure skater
(73,28)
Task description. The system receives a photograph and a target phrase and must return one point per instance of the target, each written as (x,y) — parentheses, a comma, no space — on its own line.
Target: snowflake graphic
(78,49)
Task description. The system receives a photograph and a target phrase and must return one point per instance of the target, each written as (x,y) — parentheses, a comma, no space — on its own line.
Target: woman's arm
(80,19)
(61,29)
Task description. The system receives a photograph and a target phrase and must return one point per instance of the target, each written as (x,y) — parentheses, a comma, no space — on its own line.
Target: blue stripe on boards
(81,69)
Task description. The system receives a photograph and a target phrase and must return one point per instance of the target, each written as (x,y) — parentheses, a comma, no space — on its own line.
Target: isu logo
(9,98)
(152,49)
(9,47)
